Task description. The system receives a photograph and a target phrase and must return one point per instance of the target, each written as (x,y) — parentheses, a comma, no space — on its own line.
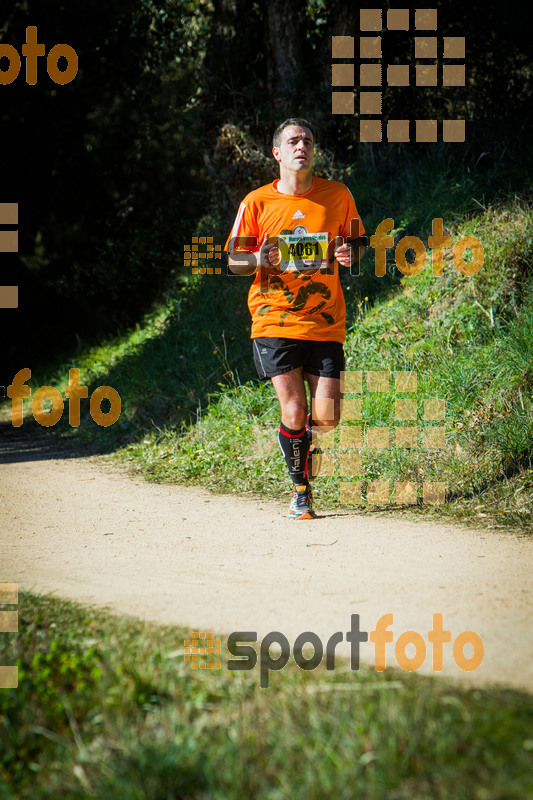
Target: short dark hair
(297,121)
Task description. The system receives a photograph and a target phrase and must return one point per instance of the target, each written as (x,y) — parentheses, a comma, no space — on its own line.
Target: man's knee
(294,415)
(326,424)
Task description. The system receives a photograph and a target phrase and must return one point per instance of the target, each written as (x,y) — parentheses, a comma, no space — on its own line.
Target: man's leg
(292,396)
(325,401)
(324,414)
(293,439)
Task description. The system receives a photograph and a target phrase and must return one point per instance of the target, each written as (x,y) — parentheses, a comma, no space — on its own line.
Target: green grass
(106,707)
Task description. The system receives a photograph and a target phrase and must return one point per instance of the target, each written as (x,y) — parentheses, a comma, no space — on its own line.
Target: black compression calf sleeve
(295,447)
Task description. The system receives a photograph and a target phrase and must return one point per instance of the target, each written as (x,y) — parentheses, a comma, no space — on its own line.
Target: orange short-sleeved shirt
(303,298)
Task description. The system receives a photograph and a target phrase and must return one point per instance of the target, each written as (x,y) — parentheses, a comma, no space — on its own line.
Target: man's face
(296,149)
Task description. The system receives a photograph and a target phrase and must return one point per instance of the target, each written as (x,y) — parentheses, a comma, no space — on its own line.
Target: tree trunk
(285,28)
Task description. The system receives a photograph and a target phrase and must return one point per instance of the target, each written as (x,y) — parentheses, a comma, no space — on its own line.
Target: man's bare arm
(243,262)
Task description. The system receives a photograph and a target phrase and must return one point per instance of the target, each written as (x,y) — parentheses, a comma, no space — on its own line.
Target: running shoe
(301,506)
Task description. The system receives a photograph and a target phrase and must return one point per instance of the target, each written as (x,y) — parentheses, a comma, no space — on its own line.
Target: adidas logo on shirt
(298,215)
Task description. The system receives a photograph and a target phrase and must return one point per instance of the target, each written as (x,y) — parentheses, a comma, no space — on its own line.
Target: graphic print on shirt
(304,301)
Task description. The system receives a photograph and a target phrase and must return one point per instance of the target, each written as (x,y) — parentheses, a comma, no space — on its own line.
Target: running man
(288,233)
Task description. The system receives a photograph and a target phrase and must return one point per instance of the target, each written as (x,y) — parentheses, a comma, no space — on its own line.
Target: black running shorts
(276,356)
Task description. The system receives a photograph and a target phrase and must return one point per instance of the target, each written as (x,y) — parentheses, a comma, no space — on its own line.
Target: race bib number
(300,252)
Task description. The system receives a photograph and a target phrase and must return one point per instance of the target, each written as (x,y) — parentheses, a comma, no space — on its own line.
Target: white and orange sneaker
(301,506)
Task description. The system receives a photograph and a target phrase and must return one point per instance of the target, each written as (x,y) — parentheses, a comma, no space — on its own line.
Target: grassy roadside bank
(106,707)
(192,413)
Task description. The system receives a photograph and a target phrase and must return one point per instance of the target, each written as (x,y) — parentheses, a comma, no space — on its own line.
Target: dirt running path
(88,531)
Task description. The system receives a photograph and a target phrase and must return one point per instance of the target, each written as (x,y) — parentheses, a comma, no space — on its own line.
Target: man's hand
(352,252)
(270,256)
(344,255)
